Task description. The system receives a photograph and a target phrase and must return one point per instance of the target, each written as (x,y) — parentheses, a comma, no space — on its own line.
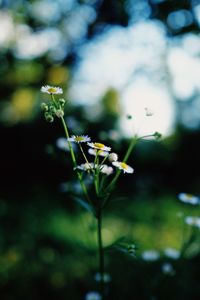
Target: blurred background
(113,58)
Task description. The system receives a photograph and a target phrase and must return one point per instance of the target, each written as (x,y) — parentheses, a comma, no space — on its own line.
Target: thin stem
(104,159)
(101,252)
(70,146)
(85,157)
(128,152)
(130,148)
(84,189)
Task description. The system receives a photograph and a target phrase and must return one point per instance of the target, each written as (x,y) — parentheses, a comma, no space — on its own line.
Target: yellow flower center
(99,145)
(52,90)
(189,196)
(124,165)
(79,138)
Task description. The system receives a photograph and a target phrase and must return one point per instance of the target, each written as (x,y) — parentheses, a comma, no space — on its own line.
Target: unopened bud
(62,101)
(49,118)
(112,157)
(44,106)
(59,113)
(52,109)
(157,135)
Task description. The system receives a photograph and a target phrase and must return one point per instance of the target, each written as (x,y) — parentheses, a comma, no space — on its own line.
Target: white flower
(112,157)
(123,166)
(93,296)
(79,138)
(168,269)
(99,146)
(62,144)
(99,152)
(188,198)
(193,221)
(106,277)
(106,169)
(85,166)
(51,89)
(172,253)
(150,255)
(148,112)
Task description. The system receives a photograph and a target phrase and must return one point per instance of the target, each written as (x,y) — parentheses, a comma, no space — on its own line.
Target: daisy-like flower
(51,89)
(99,146)
(123,166)
(95,151)
(172,253)
(193,221)
(188,198)
(148,112)
(86,166)
(150,255)
(79,138)
(62,144)
(93,296)
(107,170)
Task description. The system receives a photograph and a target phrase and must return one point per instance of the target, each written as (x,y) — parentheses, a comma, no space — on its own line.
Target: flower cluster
(98,149)
(54,108)
(102,172)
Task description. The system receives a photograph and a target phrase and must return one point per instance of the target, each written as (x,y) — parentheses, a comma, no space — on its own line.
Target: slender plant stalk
(75,163)
(101,253)
(128,152)
(85,157)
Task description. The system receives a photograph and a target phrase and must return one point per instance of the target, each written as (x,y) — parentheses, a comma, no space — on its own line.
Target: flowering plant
(101,172)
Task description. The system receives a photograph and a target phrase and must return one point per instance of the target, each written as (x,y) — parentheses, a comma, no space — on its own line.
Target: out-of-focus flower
(51,89)
(99,152)
(193,221)
(172,253)
(112,157)
(86,166)
(62,144)
(123,166)
(93,296)
(168,269)
(189,198)
(106,277)
(106,170)
(99,146)
(79,138)
(148,112)
(150,255)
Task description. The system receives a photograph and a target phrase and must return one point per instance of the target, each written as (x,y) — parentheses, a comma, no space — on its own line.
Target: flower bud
(52,109)
(112,157)
(62,101)
(59,113)
(49,118)
(157,135)
(44,106)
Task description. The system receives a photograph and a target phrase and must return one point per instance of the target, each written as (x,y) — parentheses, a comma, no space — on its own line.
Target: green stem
(84,189)
(70,146)
(128,152)
(130,148)
(101,253)
(83,153)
